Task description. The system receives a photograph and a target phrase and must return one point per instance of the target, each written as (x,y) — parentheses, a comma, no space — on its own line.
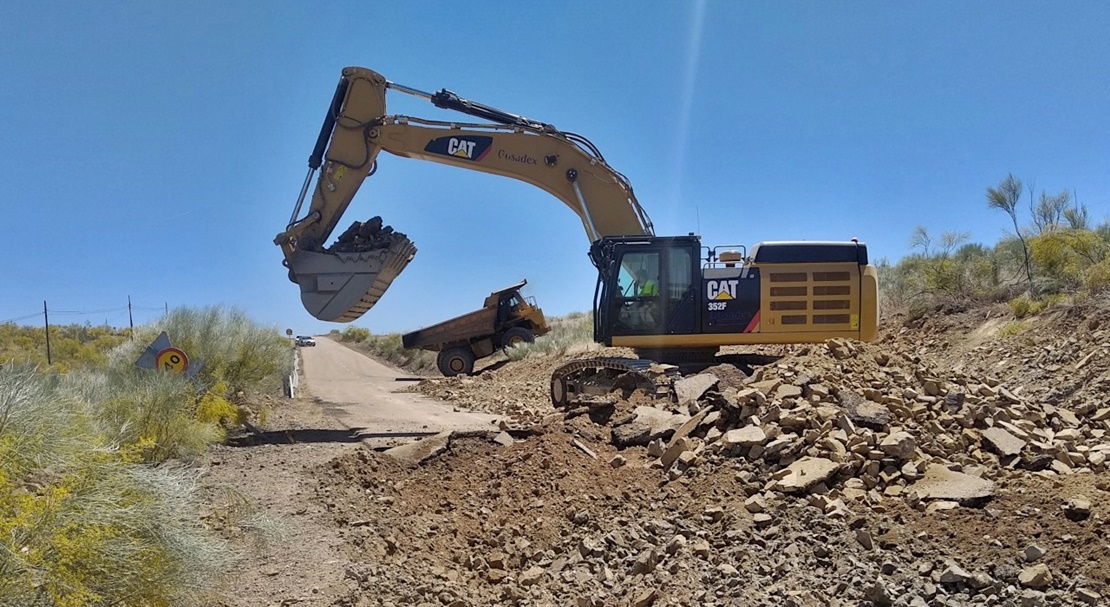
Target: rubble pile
(369,235)
(931,468)
(877,421)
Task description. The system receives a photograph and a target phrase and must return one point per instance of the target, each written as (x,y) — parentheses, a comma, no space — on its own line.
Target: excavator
(669,298)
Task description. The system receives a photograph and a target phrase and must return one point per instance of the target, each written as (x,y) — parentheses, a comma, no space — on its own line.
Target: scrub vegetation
(97,499)
(1051,255)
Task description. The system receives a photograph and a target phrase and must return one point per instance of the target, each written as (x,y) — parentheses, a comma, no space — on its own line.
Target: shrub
(1097,277)
(1025,306)
(1014,327)
(570,333)
(236,351)
(354,334)
(79,524)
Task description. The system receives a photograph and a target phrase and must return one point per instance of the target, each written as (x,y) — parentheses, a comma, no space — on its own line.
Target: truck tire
(455,361)
(517,336)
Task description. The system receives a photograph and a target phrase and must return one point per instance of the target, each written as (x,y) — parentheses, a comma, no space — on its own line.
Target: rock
(617,461)
(504,439)
(646,598)
(412,454)
(755,504)
(878,594)
(1088,596)
(671,454)
(748,436)
(900,445)
(980,580)
(1037,463)
(691,424)
(1035,576)
(1002,442)
(1077,508)
(645,563)
(940,483)
(863,412)
(635,434)
(1031,598)
(864,539)
(762,519)
(941,506)
(662,423)
(806,473)
(691,389)
(1033,552)
(532,576)
(787,391)
(954,574)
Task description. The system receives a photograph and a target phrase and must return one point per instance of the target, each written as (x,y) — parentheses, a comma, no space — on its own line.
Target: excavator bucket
(340,287)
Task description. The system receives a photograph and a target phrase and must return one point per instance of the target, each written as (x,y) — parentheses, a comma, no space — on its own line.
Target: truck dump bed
(458,329)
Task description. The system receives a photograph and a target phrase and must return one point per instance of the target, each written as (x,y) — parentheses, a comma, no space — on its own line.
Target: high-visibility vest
(649,288)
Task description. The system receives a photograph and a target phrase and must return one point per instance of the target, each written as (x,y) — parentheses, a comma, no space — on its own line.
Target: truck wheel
(517,336)
(456,361)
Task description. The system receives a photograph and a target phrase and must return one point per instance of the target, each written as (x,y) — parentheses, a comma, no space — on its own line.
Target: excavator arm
(341,286)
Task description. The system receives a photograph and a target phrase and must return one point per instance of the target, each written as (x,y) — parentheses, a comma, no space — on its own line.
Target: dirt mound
(959,460)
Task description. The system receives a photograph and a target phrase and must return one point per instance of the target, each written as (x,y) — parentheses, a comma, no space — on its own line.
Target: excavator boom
(341,286)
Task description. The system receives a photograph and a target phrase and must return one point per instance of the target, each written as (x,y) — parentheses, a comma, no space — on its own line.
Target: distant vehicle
(305,340)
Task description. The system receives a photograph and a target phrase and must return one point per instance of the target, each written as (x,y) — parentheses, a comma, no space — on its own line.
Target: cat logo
(461,147)
(721,289)
(468,147)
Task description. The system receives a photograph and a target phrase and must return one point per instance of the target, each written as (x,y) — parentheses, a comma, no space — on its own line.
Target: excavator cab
(669,297)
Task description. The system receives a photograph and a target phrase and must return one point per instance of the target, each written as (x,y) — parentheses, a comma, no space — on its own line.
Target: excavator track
(600,376)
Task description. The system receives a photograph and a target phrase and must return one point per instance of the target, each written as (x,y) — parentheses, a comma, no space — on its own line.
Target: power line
(20,318)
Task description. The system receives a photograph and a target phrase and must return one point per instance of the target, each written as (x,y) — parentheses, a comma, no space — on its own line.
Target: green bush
(570,333)
(1025,306)
(1097,277)
(82,525)
(354,334)
(154,416)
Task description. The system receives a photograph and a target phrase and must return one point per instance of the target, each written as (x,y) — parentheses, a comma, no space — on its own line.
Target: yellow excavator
(668,297)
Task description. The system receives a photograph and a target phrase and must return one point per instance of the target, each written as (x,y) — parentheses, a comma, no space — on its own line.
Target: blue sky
(154,149)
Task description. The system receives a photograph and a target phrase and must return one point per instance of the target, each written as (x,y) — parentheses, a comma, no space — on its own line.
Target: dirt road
(361,394)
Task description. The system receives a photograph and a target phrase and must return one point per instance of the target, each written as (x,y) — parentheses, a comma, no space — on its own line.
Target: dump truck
(506,319)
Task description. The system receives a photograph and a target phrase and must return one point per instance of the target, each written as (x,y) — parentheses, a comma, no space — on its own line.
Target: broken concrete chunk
(1077,508)
(954,574)
(1035,576)
(748,436)
(1002,442)
(940,483)
(900,445)
(636,434)
(1033,552)
(412,454)
(863,412)
(806,473)
(662,423)
(691,389)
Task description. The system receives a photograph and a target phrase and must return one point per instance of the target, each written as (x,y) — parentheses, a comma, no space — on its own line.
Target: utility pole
(130,319)
(167,308)
(46,321)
